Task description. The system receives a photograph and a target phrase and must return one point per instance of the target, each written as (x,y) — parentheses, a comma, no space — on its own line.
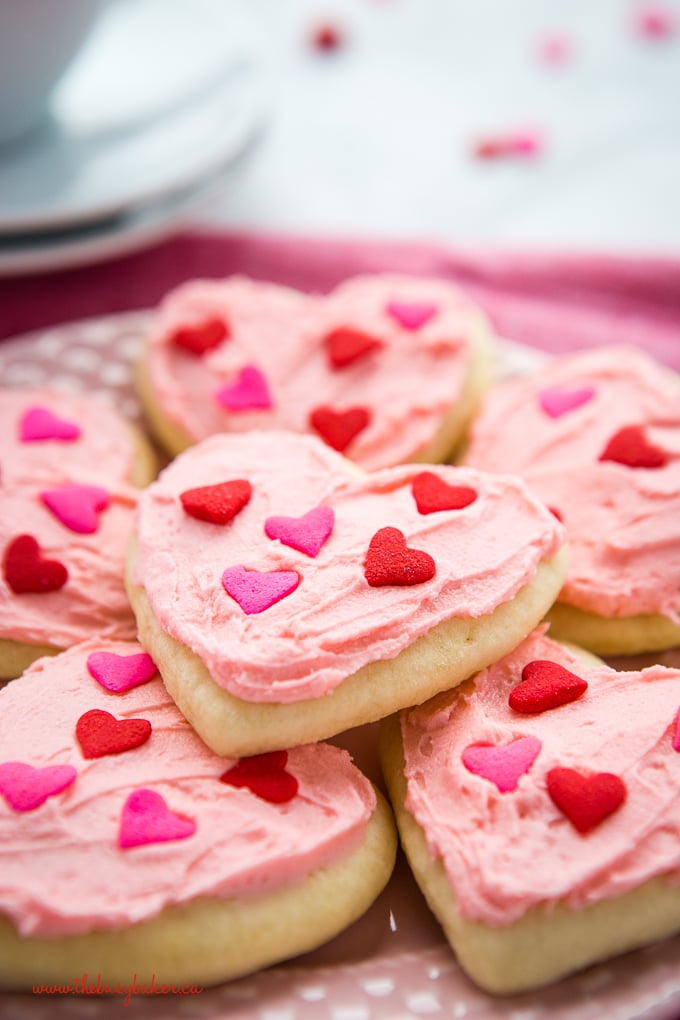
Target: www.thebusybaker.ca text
(84,986)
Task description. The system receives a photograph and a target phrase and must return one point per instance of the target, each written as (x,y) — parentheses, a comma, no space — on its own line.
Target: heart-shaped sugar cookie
(596,436)
(105,831)
(386,368)
(324,572)
(571,808)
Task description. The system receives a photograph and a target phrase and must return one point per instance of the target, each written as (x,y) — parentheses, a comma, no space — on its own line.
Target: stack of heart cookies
(311,560)
(70,469)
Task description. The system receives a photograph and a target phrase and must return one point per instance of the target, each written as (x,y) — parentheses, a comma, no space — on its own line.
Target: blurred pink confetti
(515,143)
(655,22)
(556,49)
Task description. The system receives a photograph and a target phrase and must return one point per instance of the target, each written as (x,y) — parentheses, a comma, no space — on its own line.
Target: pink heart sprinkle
(307,533)
(676,737)
(249,392)
(39,423)
(77,506)
(119,673)
(146,818)
(503,766)
(26,788)
(556,401)
(409,314)
(256,591)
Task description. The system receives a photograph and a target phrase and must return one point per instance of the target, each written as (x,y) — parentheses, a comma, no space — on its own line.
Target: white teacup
(38,41)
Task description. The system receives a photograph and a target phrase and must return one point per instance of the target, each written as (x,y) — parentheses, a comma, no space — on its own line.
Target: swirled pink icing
(73,440)
(333,621)
(623,522)
(79,861)
(406,381)
(505,852)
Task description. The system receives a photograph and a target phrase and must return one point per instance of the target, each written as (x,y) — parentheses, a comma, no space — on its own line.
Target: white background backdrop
(377,136)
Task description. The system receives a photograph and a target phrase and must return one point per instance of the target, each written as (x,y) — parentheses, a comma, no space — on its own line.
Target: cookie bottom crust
(15,657)
(616,635)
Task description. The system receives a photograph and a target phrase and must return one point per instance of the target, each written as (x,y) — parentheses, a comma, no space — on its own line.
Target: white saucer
(122,235)
(153,106)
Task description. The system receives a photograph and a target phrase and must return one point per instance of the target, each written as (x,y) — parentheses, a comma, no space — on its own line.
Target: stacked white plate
(150,122)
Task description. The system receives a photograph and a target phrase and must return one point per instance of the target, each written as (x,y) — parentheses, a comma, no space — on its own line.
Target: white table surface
(376,137)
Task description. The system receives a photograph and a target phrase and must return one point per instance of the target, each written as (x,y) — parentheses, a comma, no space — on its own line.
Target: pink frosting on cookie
(153,825)
(506,849)
(623,521)
(101,451)
(64,481)
(338,617)
(408,374)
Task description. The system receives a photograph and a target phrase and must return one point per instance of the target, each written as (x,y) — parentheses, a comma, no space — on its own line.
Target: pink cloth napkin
(553,302)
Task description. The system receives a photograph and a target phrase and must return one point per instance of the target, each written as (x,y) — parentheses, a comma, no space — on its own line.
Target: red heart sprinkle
(545,685)
(431,494)
(345,346)
(264,775)
(26,570)
(217,504)
(585,800)
(203,337)
(630,447)
(339,428)
(389,561)
(99,733)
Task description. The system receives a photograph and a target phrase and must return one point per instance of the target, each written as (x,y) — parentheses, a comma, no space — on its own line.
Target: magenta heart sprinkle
(77,506)
(556,400)
(146,818)
(411,315)
(119,673)
(26,788)
(40,423)
(248,393)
